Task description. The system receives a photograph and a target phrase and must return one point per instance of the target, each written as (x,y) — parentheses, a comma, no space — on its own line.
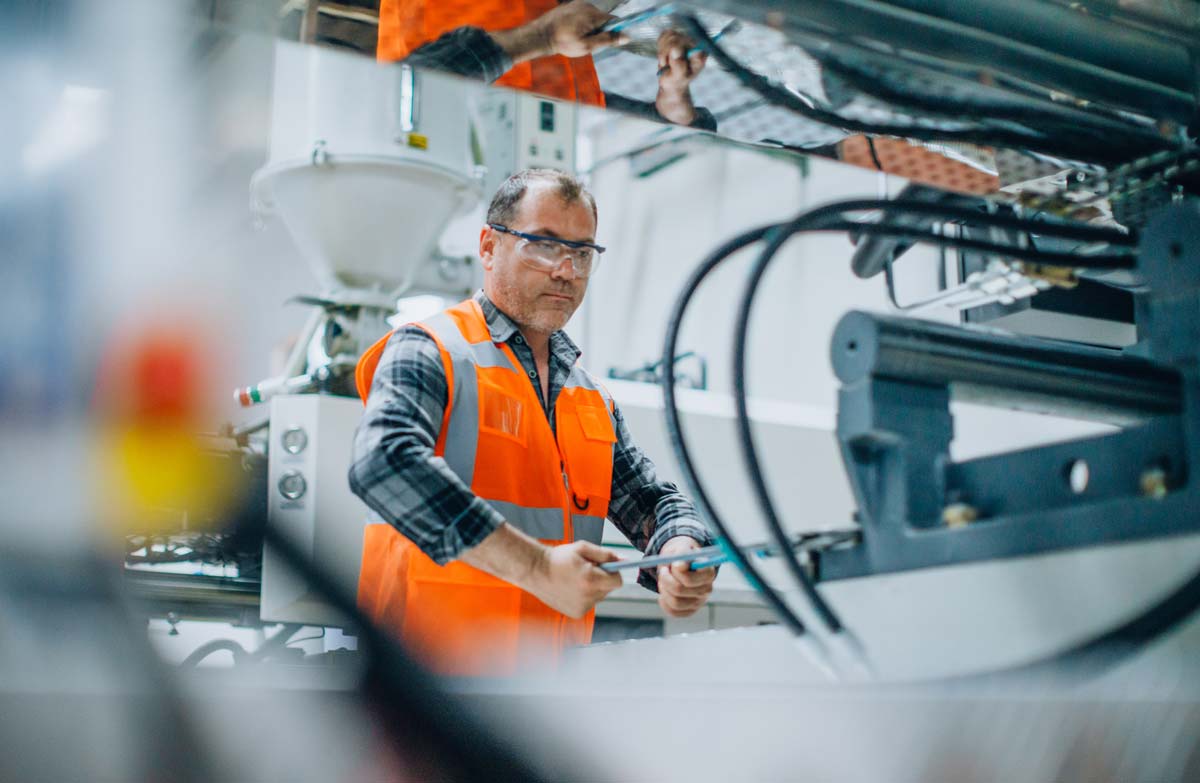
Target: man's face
(534,299)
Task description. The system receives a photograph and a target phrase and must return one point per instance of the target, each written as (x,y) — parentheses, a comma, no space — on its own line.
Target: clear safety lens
(547,256)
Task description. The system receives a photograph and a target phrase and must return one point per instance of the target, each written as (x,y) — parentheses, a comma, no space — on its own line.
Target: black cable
(1042,257)
(780,96)
(874,154)
(775,240)
(216,645)
(1064,118)
(811,220)
(679,443)
(825,218)
(890,281)
(959,214)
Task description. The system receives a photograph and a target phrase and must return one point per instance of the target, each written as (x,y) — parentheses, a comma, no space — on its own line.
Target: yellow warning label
(418,140)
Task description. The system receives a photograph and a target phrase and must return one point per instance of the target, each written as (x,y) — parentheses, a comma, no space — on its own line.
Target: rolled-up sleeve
(465,51)
(648,511)
(393,466)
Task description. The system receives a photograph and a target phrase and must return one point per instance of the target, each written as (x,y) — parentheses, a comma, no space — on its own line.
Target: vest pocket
(500,413)
(589,450)
(596,424)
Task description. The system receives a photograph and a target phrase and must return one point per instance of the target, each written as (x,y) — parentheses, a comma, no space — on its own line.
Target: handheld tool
(620,23)
(709,556)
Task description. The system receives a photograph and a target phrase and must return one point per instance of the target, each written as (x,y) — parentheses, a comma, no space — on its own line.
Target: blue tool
(617,25)
(710,556)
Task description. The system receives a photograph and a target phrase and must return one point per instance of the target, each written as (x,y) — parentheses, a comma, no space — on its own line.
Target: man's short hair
(503,209)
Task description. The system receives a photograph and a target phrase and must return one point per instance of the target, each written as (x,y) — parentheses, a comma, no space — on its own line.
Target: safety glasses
(546,253)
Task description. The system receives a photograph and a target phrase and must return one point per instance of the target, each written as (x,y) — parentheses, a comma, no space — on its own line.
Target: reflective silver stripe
(580,378)
(462,432)
(587,528)
(537,522)
(462,436)
(486,354)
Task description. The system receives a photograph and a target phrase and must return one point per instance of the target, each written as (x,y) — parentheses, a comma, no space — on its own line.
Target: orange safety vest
(496,438)
(405,25)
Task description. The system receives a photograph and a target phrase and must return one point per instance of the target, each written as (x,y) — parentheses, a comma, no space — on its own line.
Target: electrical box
(519,131)
(309,500)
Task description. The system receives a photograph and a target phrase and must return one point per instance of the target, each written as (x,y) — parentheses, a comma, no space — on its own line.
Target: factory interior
(886,413)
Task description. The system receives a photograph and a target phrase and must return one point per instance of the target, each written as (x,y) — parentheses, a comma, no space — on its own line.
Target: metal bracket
(918,509)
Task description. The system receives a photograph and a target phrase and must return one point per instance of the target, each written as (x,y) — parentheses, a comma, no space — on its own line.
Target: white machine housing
(368,163)
(309,499)
(520,131)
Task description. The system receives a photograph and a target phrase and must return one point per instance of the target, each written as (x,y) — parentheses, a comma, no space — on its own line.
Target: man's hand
(681,591)
(676,71)
(568,25)
(562,30)
(567,577)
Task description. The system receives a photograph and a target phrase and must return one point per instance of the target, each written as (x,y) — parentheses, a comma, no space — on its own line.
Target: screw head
(958,515)
(1153,483)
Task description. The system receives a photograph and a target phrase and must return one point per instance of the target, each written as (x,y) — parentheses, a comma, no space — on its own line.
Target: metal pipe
(1004,370)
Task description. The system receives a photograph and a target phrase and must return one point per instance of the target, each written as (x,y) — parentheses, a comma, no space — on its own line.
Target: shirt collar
(503,329)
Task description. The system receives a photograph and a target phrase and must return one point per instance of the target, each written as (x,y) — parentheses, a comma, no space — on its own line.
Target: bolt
(958,515)
(319,154)
(1154,483)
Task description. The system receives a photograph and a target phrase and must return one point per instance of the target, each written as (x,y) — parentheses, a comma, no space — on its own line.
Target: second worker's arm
(488,55)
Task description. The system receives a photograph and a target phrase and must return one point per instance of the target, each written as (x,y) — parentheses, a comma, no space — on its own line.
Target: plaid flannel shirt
(395,472)
(471,52)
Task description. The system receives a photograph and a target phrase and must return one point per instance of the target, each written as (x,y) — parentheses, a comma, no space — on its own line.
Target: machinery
(1100,222)
(340,157)
(366,180)
(1077,125)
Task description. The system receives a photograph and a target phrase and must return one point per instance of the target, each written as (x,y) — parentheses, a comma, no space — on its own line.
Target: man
(537,45)
(497,458)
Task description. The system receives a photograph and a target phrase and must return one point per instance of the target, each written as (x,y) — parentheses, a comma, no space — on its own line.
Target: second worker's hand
(567,577)
(675,74)
(567,29)
(682,591)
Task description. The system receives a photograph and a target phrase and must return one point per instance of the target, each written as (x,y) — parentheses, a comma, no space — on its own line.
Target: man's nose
(565,269)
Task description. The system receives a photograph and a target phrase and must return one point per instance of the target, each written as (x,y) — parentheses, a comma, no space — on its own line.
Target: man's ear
(487,245)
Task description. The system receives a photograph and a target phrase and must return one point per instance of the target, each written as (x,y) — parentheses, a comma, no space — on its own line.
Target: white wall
(658,229)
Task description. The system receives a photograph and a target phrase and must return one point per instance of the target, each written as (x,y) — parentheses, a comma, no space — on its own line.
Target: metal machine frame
(919,509)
